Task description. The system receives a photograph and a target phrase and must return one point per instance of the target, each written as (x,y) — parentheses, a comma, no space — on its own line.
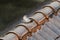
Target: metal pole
(27,28)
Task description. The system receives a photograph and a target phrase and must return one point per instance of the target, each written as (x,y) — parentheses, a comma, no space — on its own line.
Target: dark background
(12,11)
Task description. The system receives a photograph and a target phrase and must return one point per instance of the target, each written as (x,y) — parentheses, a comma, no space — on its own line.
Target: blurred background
(13,10)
